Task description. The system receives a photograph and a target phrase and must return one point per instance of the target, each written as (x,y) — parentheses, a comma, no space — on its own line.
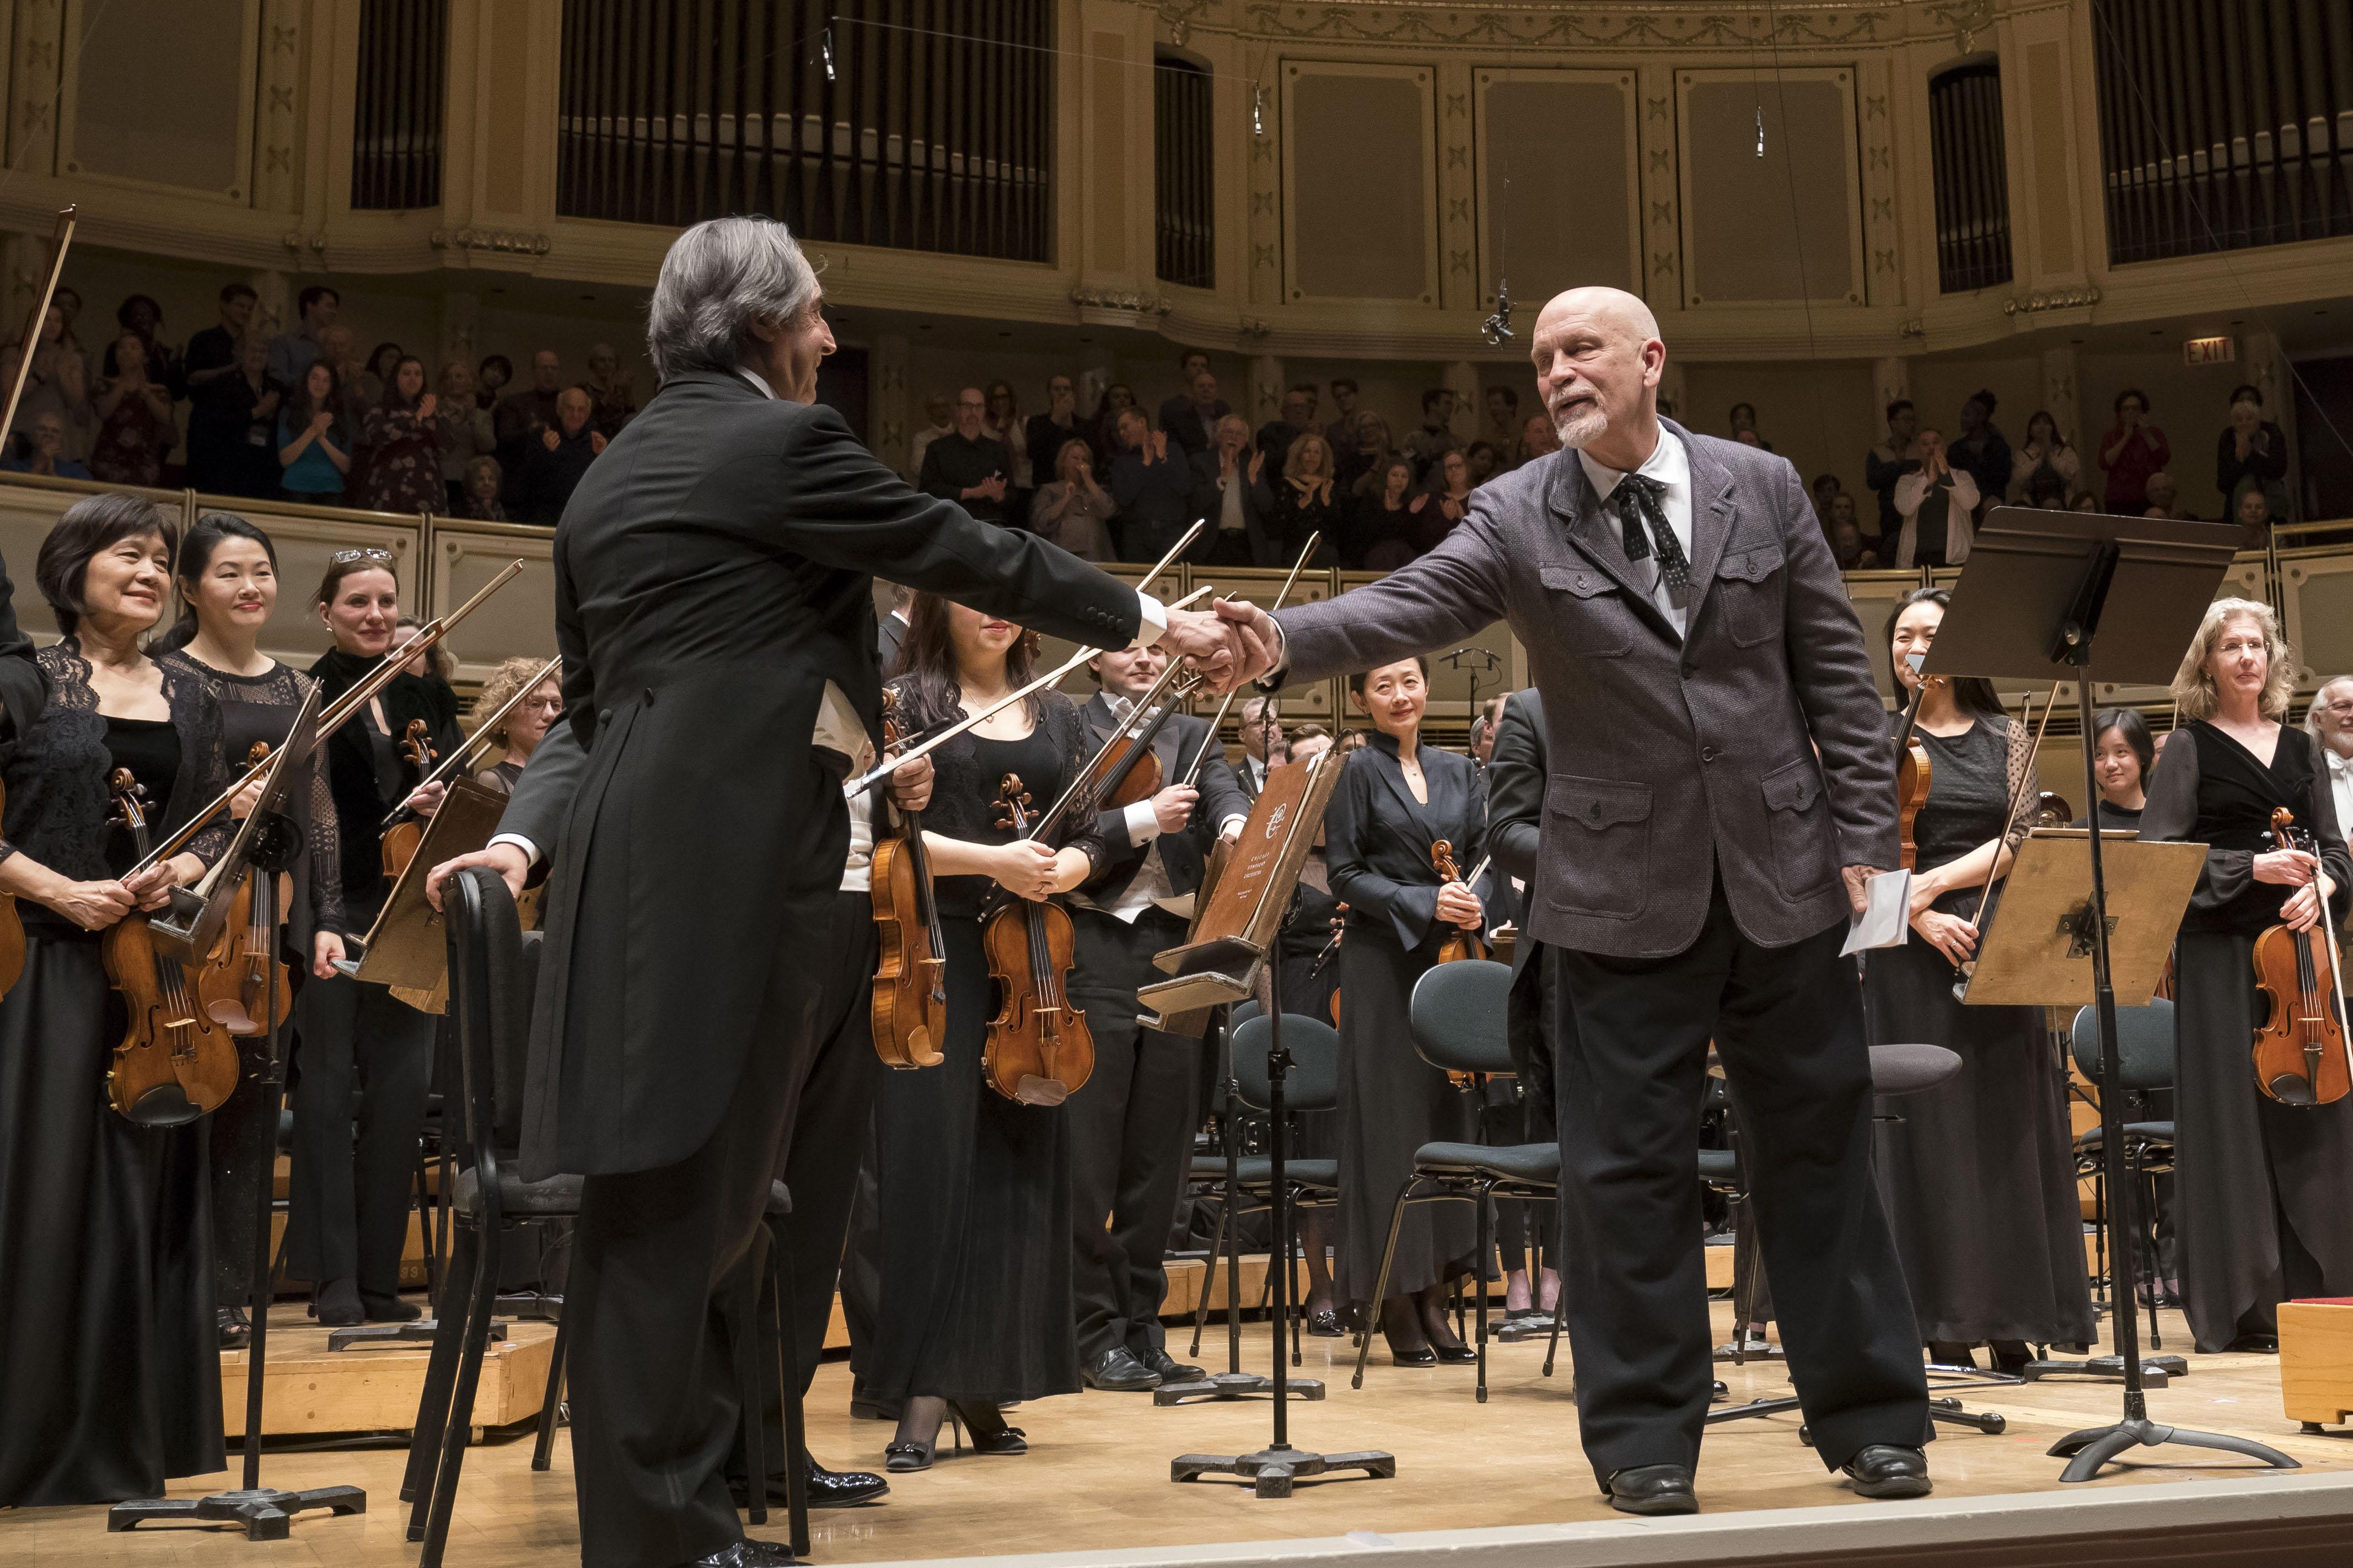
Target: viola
(1038,1050)
(2299,1048)
(235,984)
(401,840)
(911,995)
(175,1063)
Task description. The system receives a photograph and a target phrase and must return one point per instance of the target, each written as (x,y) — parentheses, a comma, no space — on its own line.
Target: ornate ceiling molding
(498,239)
(1541,26)
(2051,299)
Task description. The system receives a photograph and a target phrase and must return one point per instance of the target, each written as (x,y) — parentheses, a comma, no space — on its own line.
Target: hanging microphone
(1497,328)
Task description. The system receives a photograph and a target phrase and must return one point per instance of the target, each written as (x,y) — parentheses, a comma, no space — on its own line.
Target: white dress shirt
(839,727)
(2341,786)
(1671,466)
(1151,884)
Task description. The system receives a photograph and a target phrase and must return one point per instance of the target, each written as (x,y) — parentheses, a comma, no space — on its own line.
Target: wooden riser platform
(312,1389)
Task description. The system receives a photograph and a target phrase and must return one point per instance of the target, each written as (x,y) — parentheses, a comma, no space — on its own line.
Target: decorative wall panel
(1358,182)
(1772,206)
(1563,142)
(160,92)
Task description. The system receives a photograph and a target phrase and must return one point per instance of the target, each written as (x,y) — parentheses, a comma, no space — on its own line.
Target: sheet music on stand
(407,949)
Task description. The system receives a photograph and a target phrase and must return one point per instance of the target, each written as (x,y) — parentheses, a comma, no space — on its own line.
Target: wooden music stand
(2036,951)
(407,949)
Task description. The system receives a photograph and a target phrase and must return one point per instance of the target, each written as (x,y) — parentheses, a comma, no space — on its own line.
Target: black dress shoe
(1885,1470)
(336,1304)
(1117,1371)
(1425,1356)
(1324,1325)
(1454,1355)
(236,1329)
(826,1488)
(389,1309)
(1170,1369)
(748,1554)
(1651,1489)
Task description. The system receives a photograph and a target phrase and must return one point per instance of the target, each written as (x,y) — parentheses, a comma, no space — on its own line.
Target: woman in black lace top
(349,1210)
(2258,1186)
(973,1211)
(111,1374)
(227,578)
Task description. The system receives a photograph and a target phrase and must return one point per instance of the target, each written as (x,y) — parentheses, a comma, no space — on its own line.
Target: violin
(174,1063)
(1038,1050)
(234,985)
(2299,1049)
(401,840)
(911,996)
(1913,772)
(1461,944)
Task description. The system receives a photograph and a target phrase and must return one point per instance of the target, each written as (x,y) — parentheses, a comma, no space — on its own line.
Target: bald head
(1598,359)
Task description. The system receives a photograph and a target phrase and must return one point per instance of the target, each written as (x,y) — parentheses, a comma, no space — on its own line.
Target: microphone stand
(266,1513)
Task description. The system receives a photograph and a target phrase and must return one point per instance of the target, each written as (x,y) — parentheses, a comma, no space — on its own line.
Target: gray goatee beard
(1581,428)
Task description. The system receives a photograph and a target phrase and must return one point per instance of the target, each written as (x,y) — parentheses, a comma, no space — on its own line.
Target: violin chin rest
(1036,1090)
(2290,1089)
(165,1105)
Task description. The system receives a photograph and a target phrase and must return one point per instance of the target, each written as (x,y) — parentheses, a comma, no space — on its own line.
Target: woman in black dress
(348,1218)
(109,1372)
(1980,1176)
(2124,753)
(972,1190)
(2260,1213)
(1395,799)
(227,577)
(1305,499)
(1380,527)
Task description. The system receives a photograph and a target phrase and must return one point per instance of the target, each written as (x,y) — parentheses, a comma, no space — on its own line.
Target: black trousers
(1788,1024)
(1530,1022)
(354,1170)
(1131,1127)
(825,1149)
(656,1399)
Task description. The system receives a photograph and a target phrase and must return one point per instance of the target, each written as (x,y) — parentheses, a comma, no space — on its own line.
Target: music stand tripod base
(1271,1471)
(1228,1386)
(2088,1451)
(2156,1371)
(265,1513)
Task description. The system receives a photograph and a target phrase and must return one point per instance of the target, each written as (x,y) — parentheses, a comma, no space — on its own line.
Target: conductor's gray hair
(720,276)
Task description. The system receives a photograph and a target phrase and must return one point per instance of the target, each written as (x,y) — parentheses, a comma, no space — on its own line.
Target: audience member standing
(2044,457)
(522,417)
(1436,437)
(1071,509)
(1152,488)
(1984,451)
(45,444)
(1191,421)
(470,430)
(491,378)
(233,427)
(612,401)
(134,419)
(1936,502)
(1437,510)
(1537,437)
(212,355)
(376,375)
(1229,493)
(313,441)
(1004,425)
(291,352)
(1047,433)
(939,409)
(403,438)
(143,318)
(1103,427)
(1379,531)
(1307,500)
(552,470)
(1342,431)
(1369,450)
(1189,364)
(58,383)
(2130,452)
(2251,454)
(968,466)
(1744,426)
(1885,463)
(1503,428)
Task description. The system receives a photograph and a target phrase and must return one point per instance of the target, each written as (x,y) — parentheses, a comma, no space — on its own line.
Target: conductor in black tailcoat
(715,609)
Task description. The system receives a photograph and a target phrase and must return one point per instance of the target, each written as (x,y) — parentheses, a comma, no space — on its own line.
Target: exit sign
(2209,350)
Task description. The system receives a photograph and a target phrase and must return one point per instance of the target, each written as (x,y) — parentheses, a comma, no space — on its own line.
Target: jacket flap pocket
(1600,803)
(1751,565)
(1793,788)
(1584,582)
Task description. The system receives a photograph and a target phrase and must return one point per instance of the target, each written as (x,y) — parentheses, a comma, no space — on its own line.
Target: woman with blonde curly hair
(2259,1183)
(520,732)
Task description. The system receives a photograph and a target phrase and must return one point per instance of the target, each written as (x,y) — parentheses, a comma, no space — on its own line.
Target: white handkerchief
(1887,918)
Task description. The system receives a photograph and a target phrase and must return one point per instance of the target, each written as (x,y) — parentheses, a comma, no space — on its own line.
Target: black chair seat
(1511,1162)
(1719,1167)
(1257,1171)
(2135,1132)
(780,1199)
(558,1197)
(1909,1068)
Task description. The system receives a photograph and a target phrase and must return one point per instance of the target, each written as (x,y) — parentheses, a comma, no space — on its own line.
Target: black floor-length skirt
(1978,1176)
(972,1222)
(1391,1103)
(110,1361)
(2263,1193)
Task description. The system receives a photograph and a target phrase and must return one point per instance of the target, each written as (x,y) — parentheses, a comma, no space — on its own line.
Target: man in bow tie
(1720,789)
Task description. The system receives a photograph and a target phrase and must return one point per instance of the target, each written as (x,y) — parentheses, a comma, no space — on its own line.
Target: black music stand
(2030,605)
(1274,1468)
(265,1512)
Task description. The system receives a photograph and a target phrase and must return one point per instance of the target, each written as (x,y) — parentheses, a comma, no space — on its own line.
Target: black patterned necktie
(1649,499)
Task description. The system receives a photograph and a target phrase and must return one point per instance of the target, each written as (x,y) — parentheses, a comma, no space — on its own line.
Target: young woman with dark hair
(227,580)
(107,1343)
(972,1190)
(315,451)
(349,1210)
(2123,756)
(1980,1176)
(401,443)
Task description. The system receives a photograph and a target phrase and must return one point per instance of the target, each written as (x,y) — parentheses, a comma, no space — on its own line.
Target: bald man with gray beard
(1719,790)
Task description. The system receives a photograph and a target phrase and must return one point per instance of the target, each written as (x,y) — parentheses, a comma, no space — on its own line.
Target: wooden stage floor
(1096,1479)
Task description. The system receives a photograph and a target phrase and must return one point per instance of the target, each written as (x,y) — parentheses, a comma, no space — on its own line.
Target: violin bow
(1306,552)
(473,745)
(340,712)
(2009,815)
(32,338)
(851,789)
